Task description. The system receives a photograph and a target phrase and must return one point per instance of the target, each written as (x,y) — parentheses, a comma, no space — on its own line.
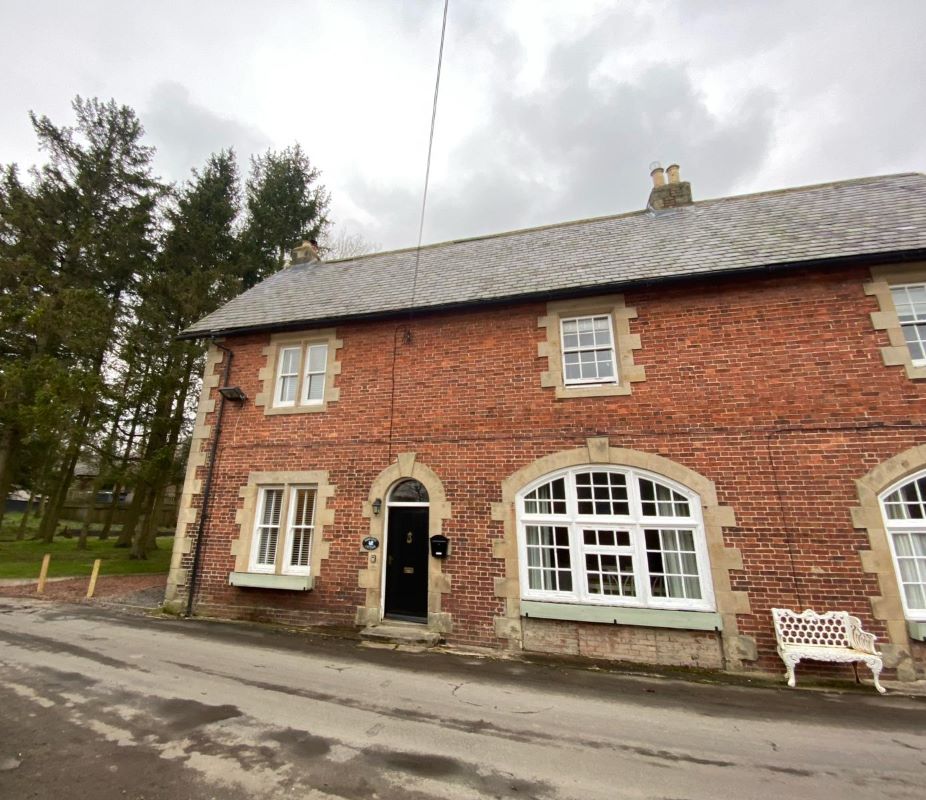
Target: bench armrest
(862,640)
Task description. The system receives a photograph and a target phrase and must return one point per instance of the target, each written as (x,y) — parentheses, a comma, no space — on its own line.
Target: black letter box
(440,546)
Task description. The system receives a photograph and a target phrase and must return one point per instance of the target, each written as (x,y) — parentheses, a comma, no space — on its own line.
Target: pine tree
(285,206)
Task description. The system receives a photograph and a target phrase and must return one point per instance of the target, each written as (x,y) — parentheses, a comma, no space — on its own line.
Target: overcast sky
(549,110)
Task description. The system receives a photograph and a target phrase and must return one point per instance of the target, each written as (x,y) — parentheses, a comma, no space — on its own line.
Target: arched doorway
(406,590)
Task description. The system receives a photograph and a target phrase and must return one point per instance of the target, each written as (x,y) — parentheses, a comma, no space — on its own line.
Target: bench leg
(790,663)
(875,665)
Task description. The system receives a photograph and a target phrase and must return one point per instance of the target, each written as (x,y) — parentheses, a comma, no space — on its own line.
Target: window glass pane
(916,596)
(268,531)
(288,389)
(917,295)
(908,570)
(672,564)
(303,500)
(692,588)
(609,574)
(273,502)
(907,502)
(316,388)
(549,498)
(903,545)
(548,558)
(602,493)
(289,361)
(659,500)
(318,356)
(409,492)
(910,303)
(917,349)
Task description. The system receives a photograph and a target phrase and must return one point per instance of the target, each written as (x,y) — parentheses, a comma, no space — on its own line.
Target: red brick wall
(772,387)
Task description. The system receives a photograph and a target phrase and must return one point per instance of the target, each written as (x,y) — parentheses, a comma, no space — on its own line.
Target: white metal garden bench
(834,636)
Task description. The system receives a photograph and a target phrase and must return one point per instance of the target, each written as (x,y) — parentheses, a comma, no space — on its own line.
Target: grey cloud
(186,133)
(581,145)
(853,72)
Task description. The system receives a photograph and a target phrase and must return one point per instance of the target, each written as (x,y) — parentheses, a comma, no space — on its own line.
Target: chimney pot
(672,172)
(657,174)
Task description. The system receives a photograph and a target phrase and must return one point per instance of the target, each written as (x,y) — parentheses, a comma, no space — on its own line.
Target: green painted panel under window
(644,617)
(258,580)
(917,630)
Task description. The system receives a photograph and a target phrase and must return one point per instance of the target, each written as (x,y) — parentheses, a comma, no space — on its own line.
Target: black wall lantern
(377,506)
(234,394)
(440,546)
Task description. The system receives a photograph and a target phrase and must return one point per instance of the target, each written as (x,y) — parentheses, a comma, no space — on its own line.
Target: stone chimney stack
(306,253)
(664,195)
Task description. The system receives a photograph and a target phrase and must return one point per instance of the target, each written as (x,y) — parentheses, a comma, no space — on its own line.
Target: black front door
(407,564)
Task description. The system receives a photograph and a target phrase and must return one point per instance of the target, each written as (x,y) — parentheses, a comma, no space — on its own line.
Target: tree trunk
(142,532)
(56,504)
(110,512)
(127,534)
(84,530)
(8,444)
(27,512)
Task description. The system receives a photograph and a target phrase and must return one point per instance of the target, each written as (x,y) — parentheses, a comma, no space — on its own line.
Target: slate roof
(869,216)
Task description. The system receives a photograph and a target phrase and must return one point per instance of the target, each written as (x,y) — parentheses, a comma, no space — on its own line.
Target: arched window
(904,509)
(410,491)
(613,536)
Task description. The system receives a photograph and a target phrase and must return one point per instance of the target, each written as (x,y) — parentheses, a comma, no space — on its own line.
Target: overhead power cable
(424,205)
(427,170)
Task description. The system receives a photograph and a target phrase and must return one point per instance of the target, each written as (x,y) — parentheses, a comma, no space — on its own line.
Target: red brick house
(637,434)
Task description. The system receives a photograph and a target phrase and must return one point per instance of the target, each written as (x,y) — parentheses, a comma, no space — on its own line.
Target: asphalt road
(102,704)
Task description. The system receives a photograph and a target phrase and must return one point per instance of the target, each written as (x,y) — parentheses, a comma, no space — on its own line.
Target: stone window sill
(260,580)
(644,617)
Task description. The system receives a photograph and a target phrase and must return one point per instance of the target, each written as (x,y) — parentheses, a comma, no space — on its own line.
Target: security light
(233,394)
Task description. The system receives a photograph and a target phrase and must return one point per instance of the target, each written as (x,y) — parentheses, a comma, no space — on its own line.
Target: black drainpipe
(207,487)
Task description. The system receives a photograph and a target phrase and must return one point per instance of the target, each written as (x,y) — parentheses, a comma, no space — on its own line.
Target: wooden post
(93,577)
(43,573)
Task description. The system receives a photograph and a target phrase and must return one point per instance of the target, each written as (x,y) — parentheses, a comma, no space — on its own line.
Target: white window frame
(302,375)
(564,350)
(278,385)
(917,362)
(634,522)
(262,492)
(308,374)
(901,526)
(288,568)
(286,532)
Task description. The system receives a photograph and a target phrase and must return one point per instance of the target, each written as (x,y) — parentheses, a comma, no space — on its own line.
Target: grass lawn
(24,559)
